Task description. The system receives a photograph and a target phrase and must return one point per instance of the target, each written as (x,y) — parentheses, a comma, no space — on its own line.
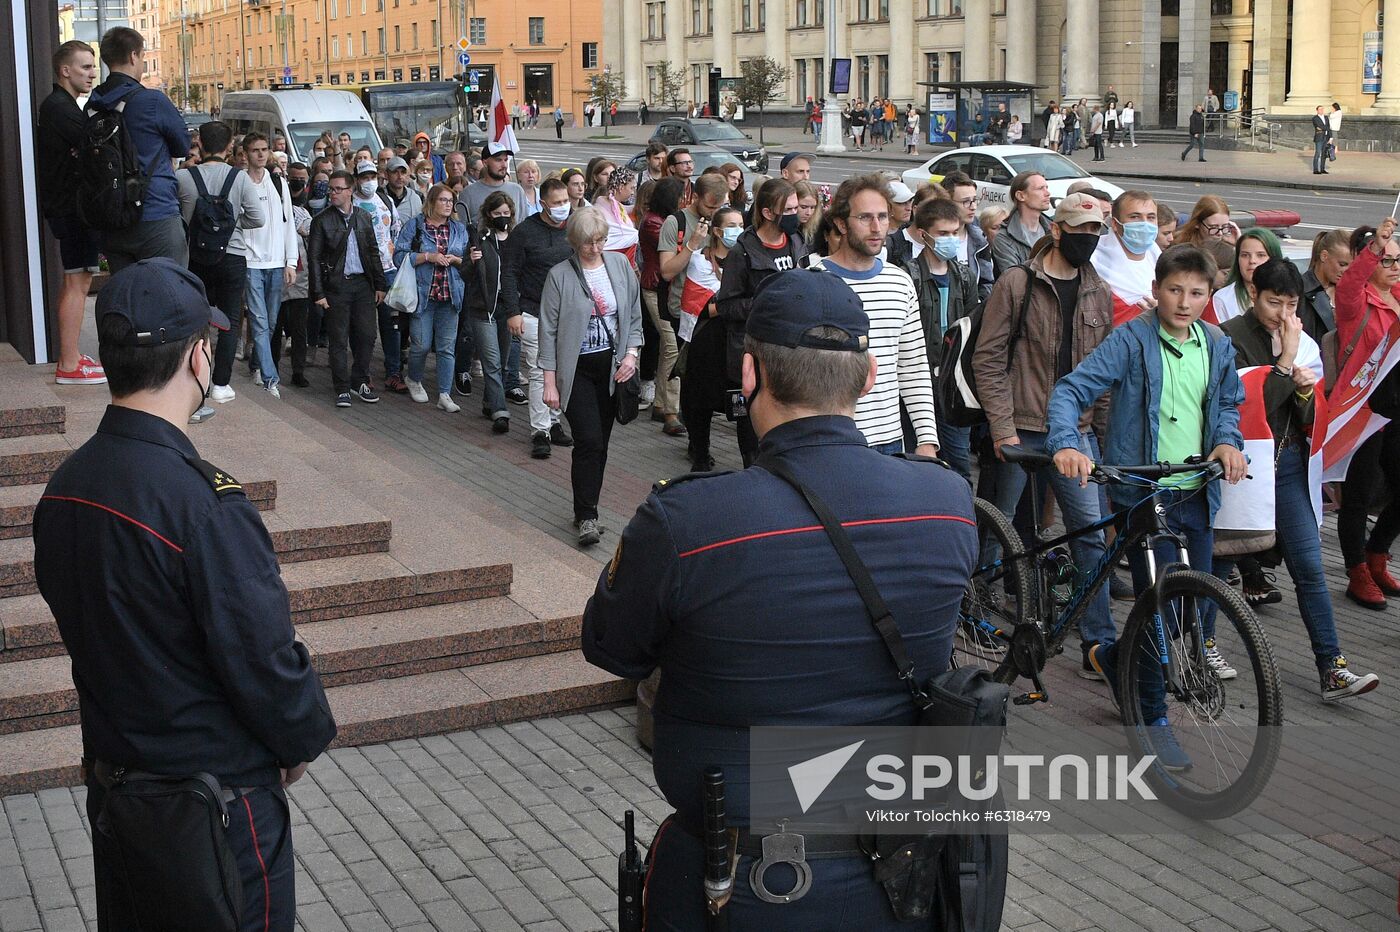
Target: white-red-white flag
(1353,421)
(498,128)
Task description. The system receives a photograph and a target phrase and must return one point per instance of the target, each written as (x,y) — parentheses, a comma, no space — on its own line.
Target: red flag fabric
(498,128)
(1352,420)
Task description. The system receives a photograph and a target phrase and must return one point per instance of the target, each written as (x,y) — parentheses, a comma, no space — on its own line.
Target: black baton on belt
(630,877)
(720,844)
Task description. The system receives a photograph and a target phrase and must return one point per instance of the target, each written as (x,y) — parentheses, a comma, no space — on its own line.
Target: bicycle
(1015,631)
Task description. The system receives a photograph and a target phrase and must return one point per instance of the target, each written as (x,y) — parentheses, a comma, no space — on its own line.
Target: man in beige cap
(1028,342)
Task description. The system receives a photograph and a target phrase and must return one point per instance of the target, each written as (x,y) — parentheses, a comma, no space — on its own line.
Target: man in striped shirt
(860,212)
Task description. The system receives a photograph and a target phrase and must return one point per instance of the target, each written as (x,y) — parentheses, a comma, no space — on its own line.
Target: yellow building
(542,51)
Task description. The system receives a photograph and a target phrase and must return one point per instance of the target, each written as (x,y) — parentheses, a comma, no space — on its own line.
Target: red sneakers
(1363,589)
(1376,563)
(88,372)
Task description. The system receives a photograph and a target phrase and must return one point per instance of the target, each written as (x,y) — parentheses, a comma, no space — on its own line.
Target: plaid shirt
(439,290)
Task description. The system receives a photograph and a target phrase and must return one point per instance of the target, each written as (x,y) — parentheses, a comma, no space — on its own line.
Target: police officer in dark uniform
(728,584)
(166,591)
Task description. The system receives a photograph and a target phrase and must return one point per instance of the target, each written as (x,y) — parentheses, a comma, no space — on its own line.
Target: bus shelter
(954,107)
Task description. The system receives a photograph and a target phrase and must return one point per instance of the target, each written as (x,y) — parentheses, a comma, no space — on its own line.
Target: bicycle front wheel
(1200,691)
(996,599)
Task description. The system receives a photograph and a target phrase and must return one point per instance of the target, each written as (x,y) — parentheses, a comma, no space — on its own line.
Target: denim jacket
(1129,363)
(456,246)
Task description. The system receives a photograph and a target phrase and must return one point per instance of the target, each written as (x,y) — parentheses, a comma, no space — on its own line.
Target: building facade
(545,51)
(1281,56)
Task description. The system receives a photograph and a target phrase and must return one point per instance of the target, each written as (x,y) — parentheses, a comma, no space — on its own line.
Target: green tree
(670,85)
(761,81)
(196,96)
(606,88)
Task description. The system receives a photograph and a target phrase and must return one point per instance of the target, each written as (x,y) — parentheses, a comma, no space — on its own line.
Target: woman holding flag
(1279,366)
(1366,396)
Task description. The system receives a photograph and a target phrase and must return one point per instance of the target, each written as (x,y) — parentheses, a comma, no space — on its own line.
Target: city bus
(401,109)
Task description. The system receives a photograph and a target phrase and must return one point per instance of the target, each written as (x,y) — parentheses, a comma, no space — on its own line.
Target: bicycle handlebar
(1106,473)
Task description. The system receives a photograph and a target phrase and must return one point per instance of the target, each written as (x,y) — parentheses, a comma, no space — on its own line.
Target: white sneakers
(416,391)
(446,403)
(648,393)
(273,390)
(223,394)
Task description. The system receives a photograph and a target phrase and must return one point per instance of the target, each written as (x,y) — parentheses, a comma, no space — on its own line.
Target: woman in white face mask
(422,177)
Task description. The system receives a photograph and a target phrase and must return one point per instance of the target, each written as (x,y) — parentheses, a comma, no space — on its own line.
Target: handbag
(169,836)
(402,295)
(958,879)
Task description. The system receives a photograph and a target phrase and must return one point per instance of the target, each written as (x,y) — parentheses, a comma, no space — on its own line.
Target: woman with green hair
(1254,247)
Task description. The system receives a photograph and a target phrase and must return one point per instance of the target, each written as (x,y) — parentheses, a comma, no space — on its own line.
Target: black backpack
(214,219)
(111,185)
(954,379)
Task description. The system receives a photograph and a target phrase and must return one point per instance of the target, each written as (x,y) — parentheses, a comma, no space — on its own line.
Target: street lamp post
(831,111)
(243,44)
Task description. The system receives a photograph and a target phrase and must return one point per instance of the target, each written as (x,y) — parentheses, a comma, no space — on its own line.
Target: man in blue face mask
(1125,260)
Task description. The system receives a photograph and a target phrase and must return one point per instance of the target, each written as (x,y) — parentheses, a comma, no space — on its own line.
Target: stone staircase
(413,624)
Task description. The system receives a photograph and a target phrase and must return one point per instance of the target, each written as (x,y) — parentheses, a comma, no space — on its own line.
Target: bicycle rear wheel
(996,598)
(1215,726)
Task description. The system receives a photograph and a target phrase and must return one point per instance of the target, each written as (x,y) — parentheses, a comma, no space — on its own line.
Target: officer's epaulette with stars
(661,485)
(223,483)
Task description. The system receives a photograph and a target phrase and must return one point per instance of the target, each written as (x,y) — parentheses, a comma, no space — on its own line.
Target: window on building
(884,81)
(884,8)
(334,11)
(931,67)
(955,66)
(434,73)
(656,20)
(695,21)
(364,42)
(436,41)
(335,46)
(710,16)
(651,82)
(1222,7)
(819,81)
(863,76)
(397,45)
(818,12)
(477,33)
(699,86)
(398,72)
(762,13)
(413,34)
(1002,54)
(318,51)
(1171,7)
(746,15)
(537,30)
(862,10)
(799,14)
(800,73)
(590,54)
(381,40)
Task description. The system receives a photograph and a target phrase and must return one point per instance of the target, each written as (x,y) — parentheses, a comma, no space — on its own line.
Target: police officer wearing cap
(166,591)
(727,584)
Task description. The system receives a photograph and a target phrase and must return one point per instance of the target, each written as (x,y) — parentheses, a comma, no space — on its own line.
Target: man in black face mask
(1042,319)
(197,670)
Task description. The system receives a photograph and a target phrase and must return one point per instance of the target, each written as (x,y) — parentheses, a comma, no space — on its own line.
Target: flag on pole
(498,128)
(1353,421)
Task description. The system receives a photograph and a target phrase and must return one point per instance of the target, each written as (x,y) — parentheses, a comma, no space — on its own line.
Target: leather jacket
(325,250)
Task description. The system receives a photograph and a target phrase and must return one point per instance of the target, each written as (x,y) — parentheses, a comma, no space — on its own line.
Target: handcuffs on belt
(782,847)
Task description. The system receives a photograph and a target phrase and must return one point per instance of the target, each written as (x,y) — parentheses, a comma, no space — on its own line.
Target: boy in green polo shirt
(1180,373)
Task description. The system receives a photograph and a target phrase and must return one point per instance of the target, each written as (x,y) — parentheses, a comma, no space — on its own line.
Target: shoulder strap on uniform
(222,482)
(661,485)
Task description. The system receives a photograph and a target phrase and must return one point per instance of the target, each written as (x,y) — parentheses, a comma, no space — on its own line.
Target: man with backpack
(215,200)
(271,255)
(61,131)
(126,182)
(1042,320)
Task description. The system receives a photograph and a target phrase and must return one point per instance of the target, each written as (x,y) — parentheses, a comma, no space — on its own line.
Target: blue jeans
(1199,144)
(511,376)
(955,448)
(492,338)
(1188,514)
(433,326)
(1079,508)
(1296,527)
(264,299)
(889,449)
(391,339)
(1319,154)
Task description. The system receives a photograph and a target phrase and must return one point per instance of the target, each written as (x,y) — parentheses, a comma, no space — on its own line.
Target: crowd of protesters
(565,292)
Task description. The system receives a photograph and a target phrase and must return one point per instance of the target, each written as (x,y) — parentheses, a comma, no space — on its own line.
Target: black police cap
(789,304)
(164,302)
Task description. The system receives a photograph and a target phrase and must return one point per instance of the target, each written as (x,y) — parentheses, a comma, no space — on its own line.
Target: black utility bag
(213,221)
(958,880)
(169,836)
(955,382)
(111,184)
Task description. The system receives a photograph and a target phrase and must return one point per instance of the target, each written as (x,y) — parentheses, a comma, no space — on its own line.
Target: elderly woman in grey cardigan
(590,336)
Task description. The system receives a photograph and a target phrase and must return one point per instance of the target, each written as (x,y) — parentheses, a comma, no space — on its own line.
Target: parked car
(195,119)
(715,133)
(991,168)
(704,156)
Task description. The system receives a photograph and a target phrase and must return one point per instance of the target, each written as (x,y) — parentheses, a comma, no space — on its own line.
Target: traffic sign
(286,79)
(463,44)
(463,59)
(475,76)
(286,71)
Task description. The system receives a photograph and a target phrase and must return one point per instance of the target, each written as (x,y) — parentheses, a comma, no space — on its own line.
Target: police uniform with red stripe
(728,585)
(166,590)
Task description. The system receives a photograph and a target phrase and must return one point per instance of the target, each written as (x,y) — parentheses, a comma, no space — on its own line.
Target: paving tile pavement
(516,826)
